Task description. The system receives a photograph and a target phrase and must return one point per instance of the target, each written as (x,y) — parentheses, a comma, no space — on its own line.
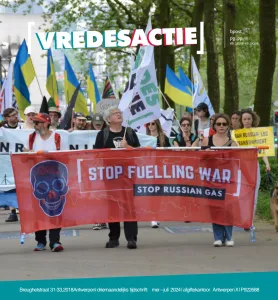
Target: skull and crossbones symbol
(49,180)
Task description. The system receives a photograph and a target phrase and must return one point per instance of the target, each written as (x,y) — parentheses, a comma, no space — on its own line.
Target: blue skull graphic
(50,186)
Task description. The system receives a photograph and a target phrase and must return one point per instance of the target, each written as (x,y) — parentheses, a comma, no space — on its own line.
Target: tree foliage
(103,15)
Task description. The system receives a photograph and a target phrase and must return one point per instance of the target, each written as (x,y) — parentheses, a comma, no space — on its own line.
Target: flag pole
(169,106)
(127,119)
(72,115)
(39,86)
(36,77)
(195,92)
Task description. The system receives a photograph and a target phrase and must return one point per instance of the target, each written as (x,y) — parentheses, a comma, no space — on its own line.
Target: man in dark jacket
(115,136)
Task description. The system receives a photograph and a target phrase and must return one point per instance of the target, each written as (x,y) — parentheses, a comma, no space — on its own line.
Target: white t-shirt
(45,145)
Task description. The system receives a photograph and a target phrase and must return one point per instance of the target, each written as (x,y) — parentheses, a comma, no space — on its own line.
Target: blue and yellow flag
(51,82)
(71,83)
(93,92)
(175,90)
(185,80)
(24,74)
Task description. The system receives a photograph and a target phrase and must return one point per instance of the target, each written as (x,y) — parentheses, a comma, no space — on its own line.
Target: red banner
(66,189)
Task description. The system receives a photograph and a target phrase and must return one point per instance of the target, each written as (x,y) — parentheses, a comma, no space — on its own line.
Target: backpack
(129,135)
(32,137)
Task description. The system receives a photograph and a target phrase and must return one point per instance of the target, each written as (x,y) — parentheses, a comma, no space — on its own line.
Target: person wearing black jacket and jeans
(114,137)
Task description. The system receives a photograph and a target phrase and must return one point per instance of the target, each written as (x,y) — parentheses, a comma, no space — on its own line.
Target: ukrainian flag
(24,74)
(185,80)
(176,90)
(51,82)
(71,83)
(93,92)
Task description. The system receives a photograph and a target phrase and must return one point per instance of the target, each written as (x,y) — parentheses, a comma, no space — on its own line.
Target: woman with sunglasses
(221,138)
(154,129)
(249,119)
(184,138)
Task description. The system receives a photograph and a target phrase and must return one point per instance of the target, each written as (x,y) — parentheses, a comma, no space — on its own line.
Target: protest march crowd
(195,129)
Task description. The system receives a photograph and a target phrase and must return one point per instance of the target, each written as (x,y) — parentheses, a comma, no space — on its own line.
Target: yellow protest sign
(254,137)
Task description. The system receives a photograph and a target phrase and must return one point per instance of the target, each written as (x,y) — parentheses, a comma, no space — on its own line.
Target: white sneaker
(155,224)
(217,243)
(229,243)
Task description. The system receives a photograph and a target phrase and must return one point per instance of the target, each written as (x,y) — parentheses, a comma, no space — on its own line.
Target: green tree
(229,57)
(197,17)
(212,55)
(266,69)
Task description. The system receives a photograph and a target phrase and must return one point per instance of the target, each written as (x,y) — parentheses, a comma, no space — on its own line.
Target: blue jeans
(222,232)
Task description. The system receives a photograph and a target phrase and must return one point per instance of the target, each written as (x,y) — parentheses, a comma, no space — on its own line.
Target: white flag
(140,101)
(6,94)
(166,120)
(199,91)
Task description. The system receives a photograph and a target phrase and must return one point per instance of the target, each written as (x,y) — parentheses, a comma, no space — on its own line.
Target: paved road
(174,248)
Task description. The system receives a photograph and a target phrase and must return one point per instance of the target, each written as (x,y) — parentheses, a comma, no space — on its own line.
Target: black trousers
(54,236)
(130,229)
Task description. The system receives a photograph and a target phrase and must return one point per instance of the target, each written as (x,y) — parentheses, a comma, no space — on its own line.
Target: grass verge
(263,209)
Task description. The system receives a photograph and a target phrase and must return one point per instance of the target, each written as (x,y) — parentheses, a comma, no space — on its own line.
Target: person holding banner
(80,122)
(221,138)
(43,139)
(117,136)
(11,122)
(185,137)
(249,119)
(154,129)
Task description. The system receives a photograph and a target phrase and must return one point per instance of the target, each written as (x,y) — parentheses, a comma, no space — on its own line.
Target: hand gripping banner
(69,188)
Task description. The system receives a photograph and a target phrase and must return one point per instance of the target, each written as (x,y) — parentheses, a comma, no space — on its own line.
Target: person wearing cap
(203,122)
(43,139)
(79,121)
(97,122)
(29,113)
(54,115)
(11,122)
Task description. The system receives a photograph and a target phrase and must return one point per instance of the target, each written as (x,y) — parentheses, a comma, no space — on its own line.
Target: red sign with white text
(64,189)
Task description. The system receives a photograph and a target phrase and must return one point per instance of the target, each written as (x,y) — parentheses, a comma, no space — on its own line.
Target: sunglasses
(36,122)
(221,124)
(148,124)
(185,125)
